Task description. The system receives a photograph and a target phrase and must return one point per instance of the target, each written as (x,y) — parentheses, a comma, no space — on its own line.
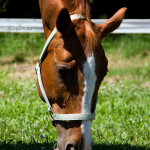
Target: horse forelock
(90,35)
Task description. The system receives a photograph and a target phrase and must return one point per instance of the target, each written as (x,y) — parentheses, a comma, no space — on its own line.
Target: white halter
(53,116)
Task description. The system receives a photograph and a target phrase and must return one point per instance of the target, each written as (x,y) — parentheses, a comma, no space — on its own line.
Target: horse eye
(65,67)
(62,72)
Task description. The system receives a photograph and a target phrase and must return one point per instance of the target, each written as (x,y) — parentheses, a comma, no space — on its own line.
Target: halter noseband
(53,116)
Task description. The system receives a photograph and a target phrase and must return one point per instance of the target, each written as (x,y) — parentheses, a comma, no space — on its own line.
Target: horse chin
(60,144)
(68,144)
(69,138)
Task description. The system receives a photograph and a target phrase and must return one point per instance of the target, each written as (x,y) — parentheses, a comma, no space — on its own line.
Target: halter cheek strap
(53,116)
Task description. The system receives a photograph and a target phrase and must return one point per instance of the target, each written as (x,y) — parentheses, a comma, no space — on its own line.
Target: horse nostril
(70,146)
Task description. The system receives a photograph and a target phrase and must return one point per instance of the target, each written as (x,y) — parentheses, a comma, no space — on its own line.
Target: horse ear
(63,22)
(113,23)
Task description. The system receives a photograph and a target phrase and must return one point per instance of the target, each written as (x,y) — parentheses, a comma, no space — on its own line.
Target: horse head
(72,70)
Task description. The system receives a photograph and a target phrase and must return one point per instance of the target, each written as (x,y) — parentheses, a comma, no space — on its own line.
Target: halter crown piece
(53,116)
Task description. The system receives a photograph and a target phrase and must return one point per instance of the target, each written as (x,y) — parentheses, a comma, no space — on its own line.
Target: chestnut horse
(72,68)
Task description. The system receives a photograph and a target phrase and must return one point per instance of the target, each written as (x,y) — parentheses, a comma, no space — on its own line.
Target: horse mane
(90,35)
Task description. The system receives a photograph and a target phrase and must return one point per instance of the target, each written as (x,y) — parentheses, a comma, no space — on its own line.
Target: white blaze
(89,86)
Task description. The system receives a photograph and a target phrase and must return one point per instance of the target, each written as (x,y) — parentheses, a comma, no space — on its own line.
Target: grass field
(123,108)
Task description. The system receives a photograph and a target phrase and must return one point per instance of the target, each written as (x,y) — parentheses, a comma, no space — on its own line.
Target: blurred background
(99,9)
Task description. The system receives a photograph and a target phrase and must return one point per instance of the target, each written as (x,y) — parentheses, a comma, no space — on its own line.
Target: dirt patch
(146,85)
(23,71)
(12,68)
(117,61)
(115,79)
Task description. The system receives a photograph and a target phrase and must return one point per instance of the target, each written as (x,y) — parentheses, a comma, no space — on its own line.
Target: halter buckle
(51,114)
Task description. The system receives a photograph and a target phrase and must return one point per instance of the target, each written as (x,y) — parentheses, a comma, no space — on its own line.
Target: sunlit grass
(122,114)
(23,116)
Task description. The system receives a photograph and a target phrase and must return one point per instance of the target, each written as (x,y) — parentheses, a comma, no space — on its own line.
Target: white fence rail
(35,25)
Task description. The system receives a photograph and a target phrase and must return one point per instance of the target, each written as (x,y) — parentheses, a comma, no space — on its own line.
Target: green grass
(31,44)
(122,112)
(129,45)
(23,116)
(122,115)
(28,44)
